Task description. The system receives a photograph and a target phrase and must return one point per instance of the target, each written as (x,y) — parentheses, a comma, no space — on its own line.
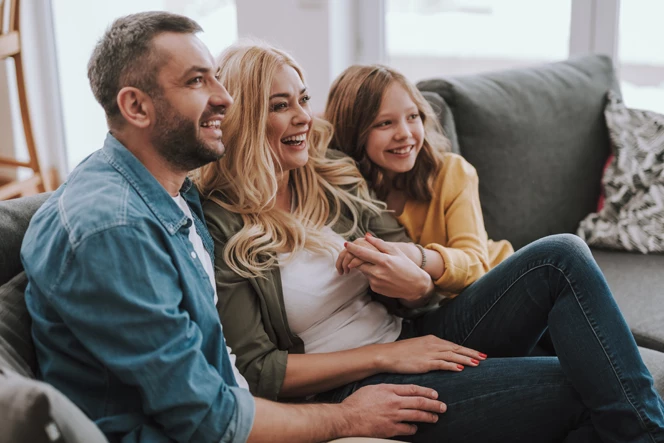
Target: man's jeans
(597,389)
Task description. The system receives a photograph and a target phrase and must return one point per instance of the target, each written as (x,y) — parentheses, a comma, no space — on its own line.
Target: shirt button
(193,254)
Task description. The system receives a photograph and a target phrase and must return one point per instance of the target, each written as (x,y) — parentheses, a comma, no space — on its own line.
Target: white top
(328,311)
(203,256)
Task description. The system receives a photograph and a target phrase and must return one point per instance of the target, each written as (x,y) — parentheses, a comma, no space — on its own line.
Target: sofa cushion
(538,139)
(17,351)
(636,283)
(32,411)
(445,118)
(654,361)
(15,216)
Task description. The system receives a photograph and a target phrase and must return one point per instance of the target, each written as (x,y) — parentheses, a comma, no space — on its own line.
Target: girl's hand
(390,271)
(423,354)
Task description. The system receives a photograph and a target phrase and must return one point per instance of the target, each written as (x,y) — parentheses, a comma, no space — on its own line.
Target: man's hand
(382,410)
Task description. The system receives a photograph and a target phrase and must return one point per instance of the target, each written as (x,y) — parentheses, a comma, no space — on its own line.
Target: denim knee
(564,248)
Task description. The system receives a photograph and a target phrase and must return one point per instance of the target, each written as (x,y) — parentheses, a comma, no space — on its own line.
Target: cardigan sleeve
(386,227)
(465,254)
(259,359)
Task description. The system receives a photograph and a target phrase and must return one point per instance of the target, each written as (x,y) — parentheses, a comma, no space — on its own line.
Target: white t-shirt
(328,311)
(206,261)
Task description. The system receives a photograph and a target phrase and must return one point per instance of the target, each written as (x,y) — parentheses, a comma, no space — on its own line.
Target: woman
(279,210)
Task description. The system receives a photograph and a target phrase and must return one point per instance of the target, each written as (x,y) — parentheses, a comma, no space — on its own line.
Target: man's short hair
(125,55)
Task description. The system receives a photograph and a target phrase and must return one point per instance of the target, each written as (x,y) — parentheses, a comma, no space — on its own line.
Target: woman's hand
(345,258)
(424,354)
(389,270)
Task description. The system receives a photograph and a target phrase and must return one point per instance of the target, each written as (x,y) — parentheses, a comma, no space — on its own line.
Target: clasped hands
(389,267)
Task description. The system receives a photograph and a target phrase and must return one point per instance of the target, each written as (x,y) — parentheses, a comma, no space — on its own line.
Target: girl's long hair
(352,106)
(245,180)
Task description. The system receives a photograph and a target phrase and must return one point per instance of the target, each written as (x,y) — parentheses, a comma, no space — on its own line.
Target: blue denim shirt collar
(146,185)
(153,193)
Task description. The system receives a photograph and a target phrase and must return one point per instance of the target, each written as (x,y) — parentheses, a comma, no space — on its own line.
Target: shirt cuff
(243,417)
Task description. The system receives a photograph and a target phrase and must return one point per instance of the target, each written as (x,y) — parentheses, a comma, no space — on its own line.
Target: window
(641,61)
(434,38)
(84,120)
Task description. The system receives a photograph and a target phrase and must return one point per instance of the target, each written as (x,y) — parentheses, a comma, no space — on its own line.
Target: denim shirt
(124,321)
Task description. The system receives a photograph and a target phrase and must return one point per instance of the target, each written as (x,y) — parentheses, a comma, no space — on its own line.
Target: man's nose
(221,97)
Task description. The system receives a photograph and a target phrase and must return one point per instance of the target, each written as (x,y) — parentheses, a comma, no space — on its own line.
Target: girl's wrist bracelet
(424,256)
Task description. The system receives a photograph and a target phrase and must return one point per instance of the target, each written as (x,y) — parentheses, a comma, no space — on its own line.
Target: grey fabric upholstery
(445,117)
(654,361)
(537,137)
(28,406)
(14,218)
(17,351)
(637,283)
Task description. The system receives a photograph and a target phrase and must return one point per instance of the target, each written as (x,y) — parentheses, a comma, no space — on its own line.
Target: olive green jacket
(252,311)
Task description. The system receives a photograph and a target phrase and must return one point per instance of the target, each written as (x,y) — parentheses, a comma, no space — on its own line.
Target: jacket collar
(146,185)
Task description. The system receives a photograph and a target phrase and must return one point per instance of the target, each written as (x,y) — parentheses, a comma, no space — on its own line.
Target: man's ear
(135,106)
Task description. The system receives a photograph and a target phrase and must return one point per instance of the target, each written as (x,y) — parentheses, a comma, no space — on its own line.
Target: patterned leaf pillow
(632,218)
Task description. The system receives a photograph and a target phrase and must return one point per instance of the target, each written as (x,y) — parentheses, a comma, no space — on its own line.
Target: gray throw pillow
(17,351)
(632,217)
(35,412)
(538,141)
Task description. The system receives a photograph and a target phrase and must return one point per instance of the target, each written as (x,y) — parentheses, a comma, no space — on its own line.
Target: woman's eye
(383,124)
(414,116)
(306,98)
(278,106)
(196,80)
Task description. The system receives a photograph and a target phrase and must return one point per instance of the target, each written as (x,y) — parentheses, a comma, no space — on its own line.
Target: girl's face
(289,119)
(397,133)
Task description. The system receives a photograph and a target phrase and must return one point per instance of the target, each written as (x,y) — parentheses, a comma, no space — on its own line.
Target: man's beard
(176,139)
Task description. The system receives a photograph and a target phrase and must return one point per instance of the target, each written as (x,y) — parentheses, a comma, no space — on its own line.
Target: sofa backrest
(538,139)
(15,216)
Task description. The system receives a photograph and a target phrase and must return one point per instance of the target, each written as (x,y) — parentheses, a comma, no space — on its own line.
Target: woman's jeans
(597,389)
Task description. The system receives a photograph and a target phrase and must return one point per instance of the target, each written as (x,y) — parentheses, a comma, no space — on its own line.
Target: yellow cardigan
(452,224)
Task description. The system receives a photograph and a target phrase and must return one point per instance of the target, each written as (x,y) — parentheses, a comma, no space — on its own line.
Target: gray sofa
(538,140)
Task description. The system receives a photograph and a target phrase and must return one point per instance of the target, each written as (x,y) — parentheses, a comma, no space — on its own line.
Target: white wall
(319,34)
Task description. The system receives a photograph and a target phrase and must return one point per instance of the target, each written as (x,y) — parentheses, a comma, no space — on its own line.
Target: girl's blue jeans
(596,389)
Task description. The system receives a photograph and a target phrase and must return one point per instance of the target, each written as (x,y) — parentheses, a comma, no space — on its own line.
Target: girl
(391,132)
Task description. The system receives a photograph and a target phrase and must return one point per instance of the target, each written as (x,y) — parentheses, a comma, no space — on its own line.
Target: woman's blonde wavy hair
(245,180)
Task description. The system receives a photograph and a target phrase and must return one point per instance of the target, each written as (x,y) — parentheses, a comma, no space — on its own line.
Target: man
(121,287)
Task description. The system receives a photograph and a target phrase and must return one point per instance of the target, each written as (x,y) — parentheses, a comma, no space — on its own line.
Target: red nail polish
(476,362)
(369,234)
(482,355)
(345,244)
(460,367)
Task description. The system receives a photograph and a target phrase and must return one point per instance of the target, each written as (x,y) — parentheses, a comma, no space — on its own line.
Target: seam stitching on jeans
(500,297)
(638,414)
(615,371)
(512,389)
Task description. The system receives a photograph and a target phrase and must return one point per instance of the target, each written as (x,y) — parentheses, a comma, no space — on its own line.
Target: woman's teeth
(294,140)
(401,151)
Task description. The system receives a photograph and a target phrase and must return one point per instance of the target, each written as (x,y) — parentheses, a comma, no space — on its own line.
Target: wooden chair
(10,46)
